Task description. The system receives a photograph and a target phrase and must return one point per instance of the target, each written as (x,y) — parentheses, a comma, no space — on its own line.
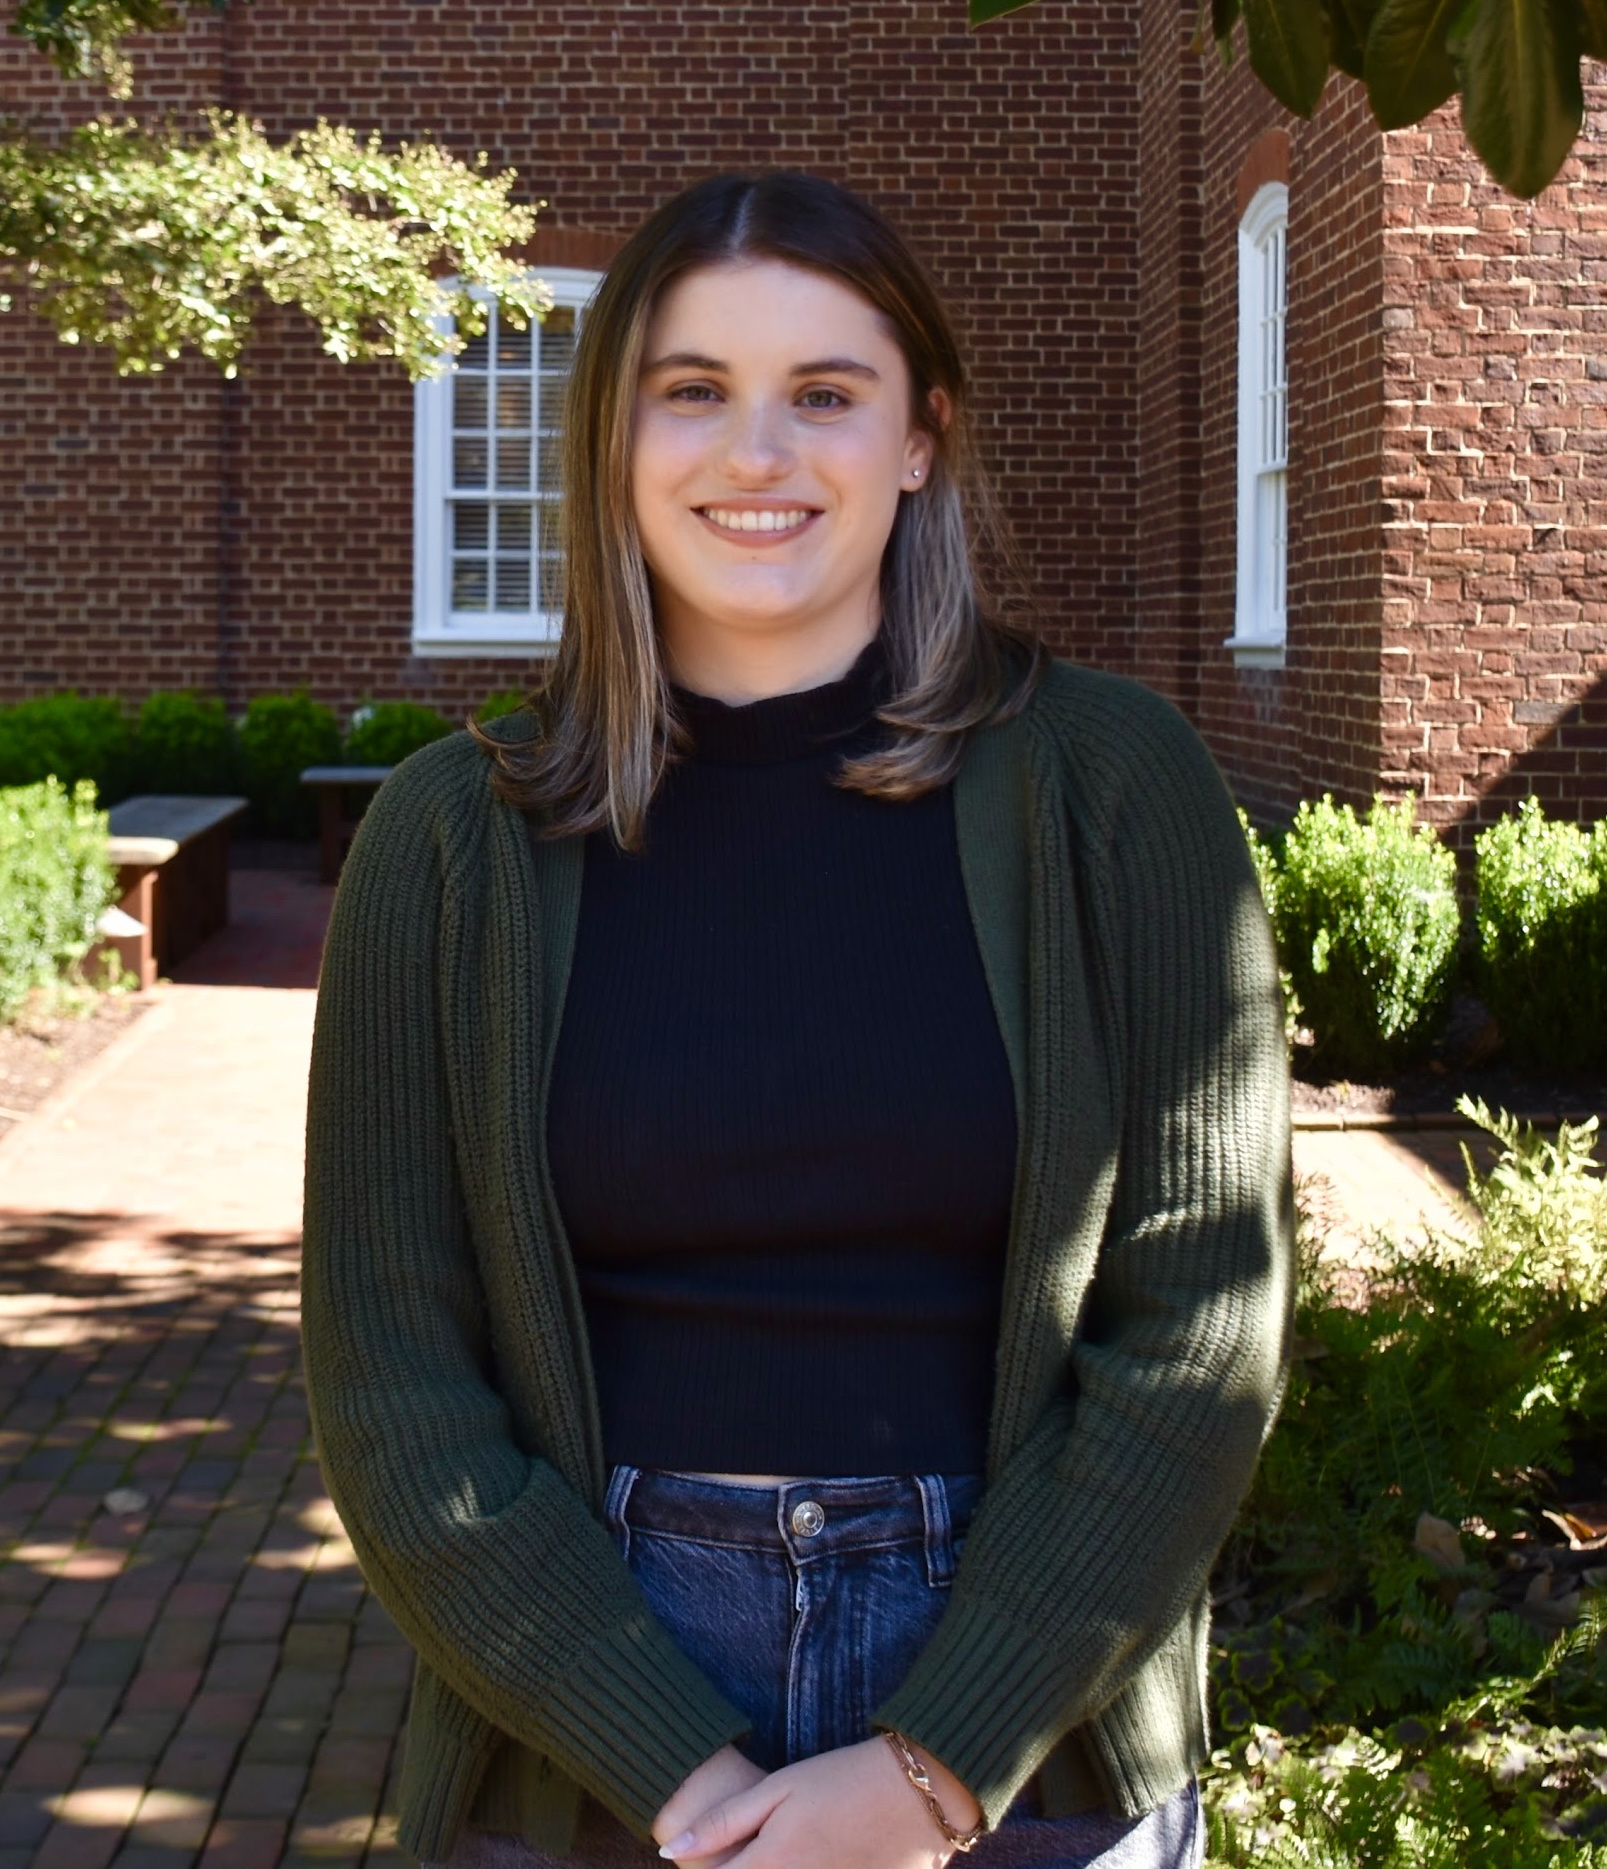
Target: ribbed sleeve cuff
(636,1719)
(985,1700)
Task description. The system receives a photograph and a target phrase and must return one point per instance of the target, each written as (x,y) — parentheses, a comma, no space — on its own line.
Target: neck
(737,667)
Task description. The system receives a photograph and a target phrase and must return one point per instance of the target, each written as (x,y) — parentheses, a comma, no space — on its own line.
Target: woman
(802,1103)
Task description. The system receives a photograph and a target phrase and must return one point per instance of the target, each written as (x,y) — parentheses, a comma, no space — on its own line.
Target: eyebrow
(821,366)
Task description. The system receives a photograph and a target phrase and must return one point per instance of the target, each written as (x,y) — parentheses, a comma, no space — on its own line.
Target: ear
(921,448)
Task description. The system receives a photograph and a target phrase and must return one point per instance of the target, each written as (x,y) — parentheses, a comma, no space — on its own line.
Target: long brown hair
(608,725)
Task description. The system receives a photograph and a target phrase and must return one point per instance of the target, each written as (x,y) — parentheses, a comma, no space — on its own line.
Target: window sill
(460,643)
(1255,652)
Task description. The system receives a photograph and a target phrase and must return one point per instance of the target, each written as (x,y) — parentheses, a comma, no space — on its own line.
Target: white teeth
(766,520)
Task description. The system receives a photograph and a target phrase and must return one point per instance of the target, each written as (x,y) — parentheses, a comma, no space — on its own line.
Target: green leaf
(1522,102)
(1289,50)
(1347,40)
(1409,71)
(981,11)
(1225,14)
(1593,28)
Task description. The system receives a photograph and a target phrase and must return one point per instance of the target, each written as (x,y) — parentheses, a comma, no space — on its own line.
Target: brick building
(1304,425)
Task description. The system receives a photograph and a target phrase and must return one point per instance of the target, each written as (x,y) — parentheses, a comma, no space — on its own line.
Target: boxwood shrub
(1542,929)
(280,735)
(54,883)
(186,743)
(1368,928)
(382,733)
(69,737)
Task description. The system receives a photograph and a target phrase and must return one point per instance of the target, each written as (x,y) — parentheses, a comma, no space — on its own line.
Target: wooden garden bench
(172,860)
(336,823)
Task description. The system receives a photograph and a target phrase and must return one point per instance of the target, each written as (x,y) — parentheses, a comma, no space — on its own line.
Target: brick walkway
(193,1672)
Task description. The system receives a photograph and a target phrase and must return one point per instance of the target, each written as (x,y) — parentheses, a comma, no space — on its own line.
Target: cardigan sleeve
(1095,1538)
(486,1556)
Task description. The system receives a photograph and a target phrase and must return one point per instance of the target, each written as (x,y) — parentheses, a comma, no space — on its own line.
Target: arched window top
(1267,213)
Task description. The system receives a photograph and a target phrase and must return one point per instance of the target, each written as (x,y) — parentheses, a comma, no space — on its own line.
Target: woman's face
(772,440)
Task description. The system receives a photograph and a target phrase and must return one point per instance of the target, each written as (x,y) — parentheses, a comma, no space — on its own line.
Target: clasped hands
(848,1809)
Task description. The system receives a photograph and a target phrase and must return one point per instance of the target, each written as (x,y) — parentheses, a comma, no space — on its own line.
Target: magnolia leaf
(1346,47)
(1522,102)
(981,11)
(1225,16)
(1289,50)
(1593,28)
(1409,71)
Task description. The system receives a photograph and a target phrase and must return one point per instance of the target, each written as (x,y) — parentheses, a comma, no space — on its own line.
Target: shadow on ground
(194,1669)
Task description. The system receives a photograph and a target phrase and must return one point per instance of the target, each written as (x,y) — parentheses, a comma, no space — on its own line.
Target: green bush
(1542,923)
(1390,1674)
(185,743)
(280,735)
(503,701)
(54,883)
(70,737)
(383,733)
(1367,926)
(1265,860)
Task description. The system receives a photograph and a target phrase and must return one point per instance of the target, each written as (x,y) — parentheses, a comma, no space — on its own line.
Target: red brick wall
(1159,644)
(109,511)
(1495,480)
(1009,158)
(1285,734)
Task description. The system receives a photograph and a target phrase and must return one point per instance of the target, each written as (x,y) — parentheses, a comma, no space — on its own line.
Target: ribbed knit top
(781,1125)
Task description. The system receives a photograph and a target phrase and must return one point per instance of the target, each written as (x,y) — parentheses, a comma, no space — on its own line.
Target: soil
(40,1051)
(1467,1062)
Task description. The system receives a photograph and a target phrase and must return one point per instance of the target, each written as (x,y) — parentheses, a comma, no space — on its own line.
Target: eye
(822,399)
(693,393)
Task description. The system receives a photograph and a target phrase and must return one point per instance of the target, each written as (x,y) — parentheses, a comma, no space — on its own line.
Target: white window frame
(1260,621)
(438,630)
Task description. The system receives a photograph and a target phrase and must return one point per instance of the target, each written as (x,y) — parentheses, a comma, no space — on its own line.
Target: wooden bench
(336,822)
(172,860)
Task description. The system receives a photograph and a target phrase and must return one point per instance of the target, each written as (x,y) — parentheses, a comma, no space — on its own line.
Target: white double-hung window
(1260,625)
(487,570)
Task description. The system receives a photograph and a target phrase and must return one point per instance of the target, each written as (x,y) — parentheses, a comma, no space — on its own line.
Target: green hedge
(1368,926)
(383,733)
(55,882)
(70,737)
(281,734)
(1542,929)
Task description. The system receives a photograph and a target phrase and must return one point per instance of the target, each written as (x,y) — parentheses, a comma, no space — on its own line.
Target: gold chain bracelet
(918,1776)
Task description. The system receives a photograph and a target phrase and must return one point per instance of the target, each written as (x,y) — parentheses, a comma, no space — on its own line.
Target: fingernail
(672,1849)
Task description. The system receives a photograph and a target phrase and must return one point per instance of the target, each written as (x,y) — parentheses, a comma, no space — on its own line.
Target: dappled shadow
(193,1660)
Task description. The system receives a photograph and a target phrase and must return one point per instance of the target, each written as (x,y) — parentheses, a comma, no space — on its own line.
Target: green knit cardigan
(1147,1288)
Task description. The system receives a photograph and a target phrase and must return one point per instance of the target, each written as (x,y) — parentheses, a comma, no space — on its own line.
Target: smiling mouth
(769,521)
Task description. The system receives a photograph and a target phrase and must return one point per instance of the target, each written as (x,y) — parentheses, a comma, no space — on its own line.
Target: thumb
(727,1825)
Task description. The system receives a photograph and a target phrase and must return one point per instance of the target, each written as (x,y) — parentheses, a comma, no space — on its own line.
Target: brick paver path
(193,1672)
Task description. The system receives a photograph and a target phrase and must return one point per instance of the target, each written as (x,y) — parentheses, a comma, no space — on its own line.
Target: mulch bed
(1467,1062)
(40,1051)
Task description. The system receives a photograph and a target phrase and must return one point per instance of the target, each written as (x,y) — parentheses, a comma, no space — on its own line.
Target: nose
(758,449)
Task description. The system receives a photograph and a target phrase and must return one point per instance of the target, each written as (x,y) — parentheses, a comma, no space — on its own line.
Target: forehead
(751,309)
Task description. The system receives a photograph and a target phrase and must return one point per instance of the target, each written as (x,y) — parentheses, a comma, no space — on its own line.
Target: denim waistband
(807,1521)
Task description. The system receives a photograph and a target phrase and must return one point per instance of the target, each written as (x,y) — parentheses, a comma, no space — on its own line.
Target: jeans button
(808,1519)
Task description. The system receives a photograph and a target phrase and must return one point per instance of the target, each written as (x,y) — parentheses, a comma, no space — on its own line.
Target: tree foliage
(157,239)
(1514,63)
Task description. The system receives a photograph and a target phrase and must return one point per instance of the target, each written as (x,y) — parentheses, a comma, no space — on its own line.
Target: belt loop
(939,1530)
(620,1483)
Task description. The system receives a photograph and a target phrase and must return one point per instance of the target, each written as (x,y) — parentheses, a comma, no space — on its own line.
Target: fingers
(727,1826)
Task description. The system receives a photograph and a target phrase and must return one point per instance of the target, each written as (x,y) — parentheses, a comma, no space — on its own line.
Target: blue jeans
(806,1605)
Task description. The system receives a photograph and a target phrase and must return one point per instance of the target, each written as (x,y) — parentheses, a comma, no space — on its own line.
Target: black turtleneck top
(781,1125)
